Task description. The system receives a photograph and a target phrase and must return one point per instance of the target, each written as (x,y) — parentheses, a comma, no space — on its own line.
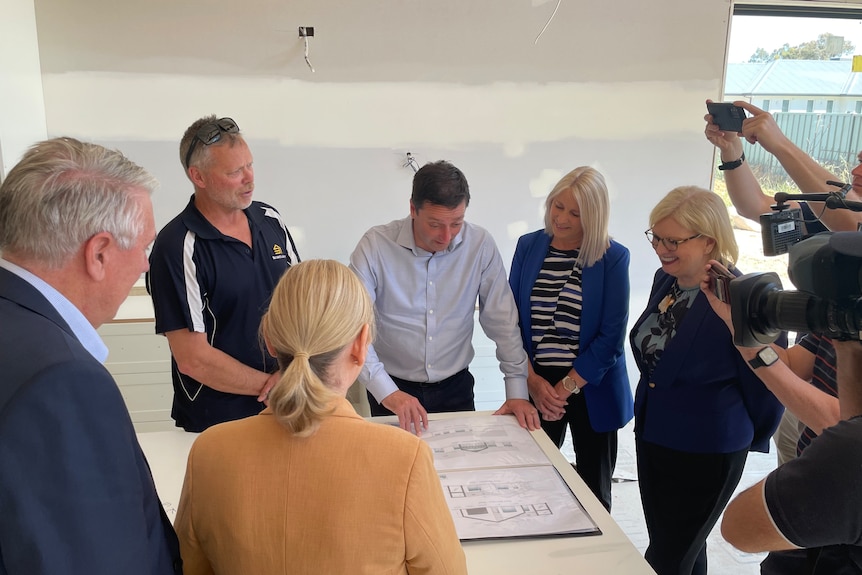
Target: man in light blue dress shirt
(425,273)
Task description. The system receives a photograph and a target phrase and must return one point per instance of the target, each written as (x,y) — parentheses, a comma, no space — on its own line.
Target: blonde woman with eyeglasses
(699,409)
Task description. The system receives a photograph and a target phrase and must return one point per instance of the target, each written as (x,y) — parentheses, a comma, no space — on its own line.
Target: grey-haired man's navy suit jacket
(76,494)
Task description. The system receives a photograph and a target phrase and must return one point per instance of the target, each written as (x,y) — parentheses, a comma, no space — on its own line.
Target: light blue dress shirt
(424,305)
(80,326)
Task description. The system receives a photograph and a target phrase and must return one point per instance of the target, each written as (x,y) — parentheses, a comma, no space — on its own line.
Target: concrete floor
(723,559)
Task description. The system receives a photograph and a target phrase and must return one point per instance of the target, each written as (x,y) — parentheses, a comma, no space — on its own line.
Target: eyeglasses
(210,133)
(670,245)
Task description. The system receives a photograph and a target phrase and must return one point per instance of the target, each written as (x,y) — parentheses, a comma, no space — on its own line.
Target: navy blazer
(702,397)
(601,358)
(76,494)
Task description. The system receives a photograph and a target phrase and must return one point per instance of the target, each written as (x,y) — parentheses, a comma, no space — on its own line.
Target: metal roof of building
(794,78)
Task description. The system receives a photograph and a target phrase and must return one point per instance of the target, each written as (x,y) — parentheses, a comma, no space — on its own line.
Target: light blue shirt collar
(83,329)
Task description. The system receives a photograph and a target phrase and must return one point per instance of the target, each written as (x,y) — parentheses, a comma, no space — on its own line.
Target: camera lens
(790,310)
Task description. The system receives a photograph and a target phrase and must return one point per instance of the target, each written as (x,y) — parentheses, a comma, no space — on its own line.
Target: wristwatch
(764,358)
(570,385)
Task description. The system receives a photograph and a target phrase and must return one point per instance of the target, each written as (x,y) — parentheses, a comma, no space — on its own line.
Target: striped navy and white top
(555,309)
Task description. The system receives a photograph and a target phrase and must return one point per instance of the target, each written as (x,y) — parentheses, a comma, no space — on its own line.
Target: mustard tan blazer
(355,497)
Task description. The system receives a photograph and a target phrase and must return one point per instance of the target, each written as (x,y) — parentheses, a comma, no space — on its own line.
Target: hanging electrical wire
(307,61)
(557,7)
(411,162)
(305,32)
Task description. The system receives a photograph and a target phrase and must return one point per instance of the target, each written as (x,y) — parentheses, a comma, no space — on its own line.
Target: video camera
(783,227)
(826,267)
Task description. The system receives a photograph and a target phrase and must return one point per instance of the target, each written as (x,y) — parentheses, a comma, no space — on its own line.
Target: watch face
(767,355)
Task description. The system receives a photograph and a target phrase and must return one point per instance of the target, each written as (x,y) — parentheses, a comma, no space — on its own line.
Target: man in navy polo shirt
(212,270)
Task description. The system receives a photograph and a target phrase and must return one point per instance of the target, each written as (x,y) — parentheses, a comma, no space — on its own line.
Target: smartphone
(719,282)
(728,117)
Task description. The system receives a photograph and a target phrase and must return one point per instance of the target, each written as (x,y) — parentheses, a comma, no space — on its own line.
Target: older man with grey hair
(75,489)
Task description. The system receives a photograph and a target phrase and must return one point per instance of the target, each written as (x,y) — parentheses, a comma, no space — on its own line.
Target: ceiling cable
(307,61)
(557,7)
(305,32)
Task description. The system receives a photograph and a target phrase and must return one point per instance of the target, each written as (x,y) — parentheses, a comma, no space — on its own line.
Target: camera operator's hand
(742,187)
(720,308)
(728,143)
(761,129)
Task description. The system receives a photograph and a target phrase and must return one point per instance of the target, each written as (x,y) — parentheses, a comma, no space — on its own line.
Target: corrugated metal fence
(831,139)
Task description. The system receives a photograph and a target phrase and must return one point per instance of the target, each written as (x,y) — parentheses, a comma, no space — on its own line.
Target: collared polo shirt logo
(277,252)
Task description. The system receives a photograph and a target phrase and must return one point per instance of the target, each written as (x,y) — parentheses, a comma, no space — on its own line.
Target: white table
(608,553)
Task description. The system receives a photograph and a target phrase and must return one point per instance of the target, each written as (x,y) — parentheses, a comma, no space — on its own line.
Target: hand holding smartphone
(727,116)
(719,281)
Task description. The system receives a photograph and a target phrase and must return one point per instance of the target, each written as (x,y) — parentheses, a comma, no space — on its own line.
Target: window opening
(794,62)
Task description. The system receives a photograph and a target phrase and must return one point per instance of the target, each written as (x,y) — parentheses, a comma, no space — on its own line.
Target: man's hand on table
(523,410)
(409,411)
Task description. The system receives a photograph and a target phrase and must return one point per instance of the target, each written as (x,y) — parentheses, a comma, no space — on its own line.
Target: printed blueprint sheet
(499,483)
(489,441)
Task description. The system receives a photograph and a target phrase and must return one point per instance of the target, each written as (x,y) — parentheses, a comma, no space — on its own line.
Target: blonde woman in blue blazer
(571,286)
(699,409)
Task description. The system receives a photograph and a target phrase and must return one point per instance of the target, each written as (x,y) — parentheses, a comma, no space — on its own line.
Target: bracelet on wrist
(732,165)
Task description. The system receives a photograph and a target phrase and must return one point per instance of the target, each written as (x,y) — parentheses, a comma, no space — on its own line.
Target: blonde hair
(318,309)
(587,186)
(703,212)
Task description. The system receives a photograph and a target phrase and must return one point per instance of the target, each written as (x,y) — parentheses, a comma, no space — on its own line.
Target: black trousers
(455,393)
(595,452)
(683,495)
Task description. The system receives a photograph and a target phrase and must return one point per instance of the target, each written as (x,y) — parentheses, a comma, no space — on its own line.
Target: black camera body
(780,230)
(827,269)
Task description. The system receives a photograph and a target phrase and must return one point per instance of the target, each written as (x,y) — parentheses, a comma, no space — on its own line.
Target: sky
(751,32)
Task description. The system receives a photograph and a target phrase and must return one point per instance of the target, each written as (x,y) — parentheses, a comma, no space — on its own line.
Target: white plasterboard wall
(616,85)
(22,109)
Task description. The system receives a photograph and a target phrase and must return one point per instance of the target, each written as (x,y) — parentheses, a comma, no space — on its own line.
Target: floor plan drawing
(483,489)
(492,441)
(498,482)
(500,513)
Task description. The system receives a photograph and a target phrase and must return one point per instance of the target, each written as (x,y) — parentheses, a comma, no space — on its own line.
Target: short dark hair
(440,183)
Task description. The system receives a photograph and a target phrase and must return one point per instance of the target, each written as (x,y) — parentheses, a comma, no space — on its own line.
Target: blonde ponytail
(318,308)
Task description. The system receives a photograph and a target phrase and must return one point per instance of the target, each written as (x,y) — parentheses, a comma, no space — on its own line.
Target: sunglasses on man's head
(210,133)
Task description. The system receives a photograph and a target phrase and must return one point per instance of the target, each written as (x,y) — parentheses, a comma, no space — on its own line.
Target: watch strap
(757,361)
(732,165)
(571,385)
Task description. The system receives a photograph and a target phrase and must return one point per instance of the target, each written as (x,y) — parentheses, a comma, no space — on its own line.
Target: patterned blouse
(555,308)
(660,326)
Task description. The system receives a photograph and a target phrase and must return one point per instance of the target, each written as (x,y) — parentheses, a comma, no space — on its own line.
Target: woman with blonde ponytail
(301,487)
